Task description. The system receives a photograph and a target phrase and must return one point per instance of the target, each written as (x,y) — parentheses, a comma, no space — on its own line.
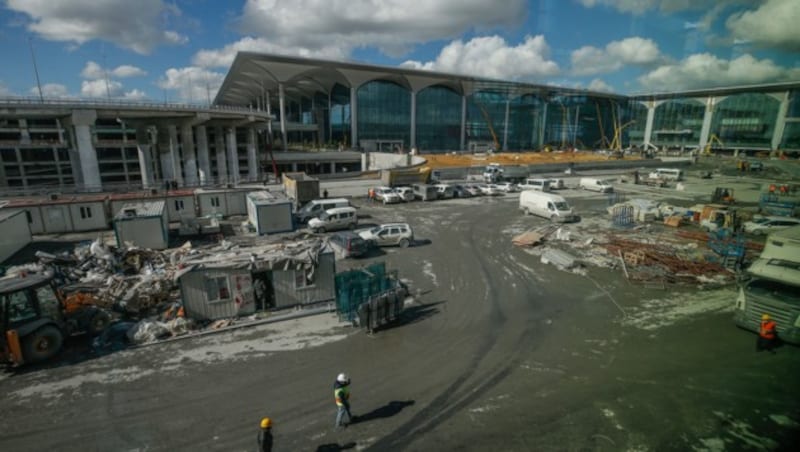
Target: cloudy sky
(180,50)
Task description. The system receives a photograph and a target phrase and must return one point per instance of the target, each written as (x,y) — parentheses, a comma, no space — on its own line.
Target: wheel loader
(36,318)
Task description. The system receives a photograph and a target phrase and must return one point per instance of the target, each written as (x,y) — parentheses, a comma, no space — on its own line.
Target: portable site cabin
(117,201)
(225,202)
(224,284)
(56,214)
(180,205)
(144,225)
(269,213)
(14,232)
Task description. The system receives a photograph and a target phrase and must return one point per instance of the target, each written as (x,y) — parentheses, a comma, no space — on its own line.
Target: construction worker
(767,334)
(265,435)
(341,394)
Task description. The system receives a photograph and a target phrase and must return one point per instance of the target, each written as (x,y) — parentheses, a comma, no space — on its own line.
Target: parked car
(557,184)
(594,184)
(334,219)
(386,195)
(406,193)
(490,190)
(460,191)
(765,225)
(473,190)
(399,234)
(445,191)
(348,244)
(507,187)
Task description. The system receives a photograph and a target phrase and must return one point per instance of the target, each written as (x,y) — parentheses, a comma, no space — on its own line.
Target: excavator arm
(490,127)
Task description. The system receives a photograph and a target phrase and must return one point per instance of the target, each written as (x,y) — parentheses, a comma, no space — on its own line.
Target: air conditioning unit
(54,196)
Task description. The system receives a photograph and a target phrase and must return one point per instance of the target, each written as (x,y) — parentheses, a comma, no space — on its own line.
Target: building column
(543,125)
(333,167)
(252,156)
(705,131)
(189,155)
(233,155)
(282,106)
(780,121)
(648,125)
(143,147)
(82,121)
(204,165)
(330,123)
(413,119)
(463,122)
(222,159)
(505,125)
(269,117)
(354,118)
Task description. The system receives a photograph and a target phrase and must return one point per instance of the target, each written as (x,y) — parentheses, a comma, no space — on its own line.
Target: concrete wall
(384,160)
(146,232)
(14,234)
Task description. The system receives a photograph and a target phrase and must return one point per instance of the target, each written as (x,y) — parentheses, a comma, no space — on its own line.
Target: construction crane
(489,125)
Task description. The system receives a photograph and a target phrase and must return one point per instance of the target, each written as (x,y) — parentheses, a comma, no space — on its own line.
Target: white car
(765,225)
(473,190)
(490,190)
(406,193)
(399,234)
(386,195)
(508,187)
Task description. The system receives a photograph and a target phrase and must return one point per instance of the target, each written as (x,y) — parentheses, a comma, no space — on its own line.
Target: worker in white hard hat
(341,394)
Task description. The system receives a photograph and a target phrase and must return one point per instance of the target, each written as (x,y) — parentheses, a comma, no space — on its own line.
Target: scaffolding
(359,286)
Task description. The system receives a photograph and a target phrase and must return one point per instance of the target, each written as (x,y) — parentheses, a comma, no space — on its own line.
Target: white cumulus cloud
(101,88)
(599,85)
(51,90)
(668,6)
(708,71)
(137,25)
(224,57)
(192,84)
(638,51)
(493,57)
(773,24)
(134,94)
(94,71)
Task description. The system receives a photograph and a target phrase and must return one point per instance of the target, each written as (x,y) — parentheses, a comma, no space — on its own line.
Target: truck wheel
(98,322)
(554,218)
(404,243)
(42,344)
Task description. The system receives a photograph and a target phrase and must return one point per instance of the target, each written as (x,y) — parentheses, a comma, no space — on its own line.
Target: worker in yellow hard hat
(767,334)
(265,435)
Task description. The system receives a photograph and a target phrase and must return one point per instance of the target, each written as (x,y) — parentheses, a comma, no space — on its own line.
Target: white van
(594,184)
(535,184)
(334,219)
(667,174)
(548,205)
(314,208)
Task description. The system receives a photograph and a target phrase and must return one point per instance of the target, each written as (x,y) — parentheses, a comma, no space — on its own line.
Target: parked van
(348,244)
(535,184)
(591,183)
(334,219)
(314,208)
(547,205)
(667,174)
(425,192)
(445,191)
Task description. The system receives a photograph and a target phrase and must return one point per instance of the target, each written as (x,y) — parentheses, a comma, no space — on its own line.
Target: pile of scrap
(533,237)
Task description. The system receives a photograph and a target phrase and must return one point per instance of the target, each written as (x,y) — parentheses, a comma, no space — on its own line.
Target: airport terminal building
(277,112)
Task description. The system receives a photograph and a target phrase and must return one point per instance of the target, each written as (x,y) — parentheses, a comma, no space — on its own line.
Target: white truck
(547,205)
(504,173)
(773,287)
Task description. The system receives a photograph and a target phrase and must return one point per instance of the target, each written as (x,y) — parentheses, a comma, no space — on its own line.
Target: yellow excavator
(710,144)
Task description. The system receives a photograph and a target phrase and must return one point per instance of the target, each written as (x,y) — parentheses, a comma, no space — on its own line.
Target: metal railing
(26,101)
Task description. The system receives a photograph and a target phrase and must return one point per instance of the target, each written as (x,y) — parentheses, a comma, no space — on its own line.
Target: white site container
(14,232)
(269,213)
(144,225)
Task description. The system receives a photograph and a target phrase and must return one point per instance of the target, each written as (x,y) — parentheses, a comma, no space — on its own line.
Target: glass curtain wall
(525,122)
(438,119)
(321,116)
(486,115)
(791,133)
(580,121)
(339,116)
(384,112)
(678,122)
(634,133)
(746,120)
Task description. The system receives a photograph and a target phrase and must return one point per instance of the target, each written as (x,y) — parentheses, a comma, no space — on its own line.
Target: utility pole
(35,69)
(105,72)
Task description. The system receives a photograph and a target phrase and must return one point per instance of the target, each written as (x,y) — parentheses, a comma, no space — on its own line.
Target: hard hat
(342,378)
(764,316)
(266,422)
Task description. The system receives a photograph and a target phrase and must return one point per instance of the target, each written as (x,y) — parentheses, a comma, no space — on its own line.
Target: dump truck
(300,188)
(36,318)
(405,176)
(505,173)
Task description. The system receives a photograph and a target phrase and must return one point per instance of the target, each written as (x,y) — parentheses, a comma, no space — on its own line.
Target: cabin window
(217,288)
(215,201)
(28,215)
(178,204)
(86,212)
(304,278)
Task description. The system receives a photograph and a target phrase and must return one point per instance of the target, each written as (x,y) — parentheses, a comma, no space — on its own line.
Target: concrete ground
(498,352)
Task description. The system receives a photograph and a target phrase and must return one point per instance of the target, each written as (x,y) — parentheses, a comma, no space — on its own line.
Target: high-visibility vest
(767,330)
(341,395)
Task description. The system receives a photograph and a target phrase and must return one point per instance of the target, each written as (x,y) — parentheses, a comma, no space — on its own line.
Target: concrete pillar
(294,167)
(269,115)
(333,167)
(143,147)
(219,150)
(204,165)
(22,174)
(189,155)
(543,125)
(413,119)
(505,125)
(82,121)
(780,121)
(648,126)
(252,156)
(705,131)
(354,117)
(463,122)
(233,155)
(282,106)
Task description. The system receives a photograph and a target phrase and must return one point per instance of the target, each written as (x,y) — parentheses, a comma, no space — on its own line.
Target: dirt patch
(513,158)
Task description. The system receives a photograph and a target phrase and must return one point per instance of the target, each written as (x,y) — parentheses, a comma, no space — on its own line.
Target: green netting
(355,287)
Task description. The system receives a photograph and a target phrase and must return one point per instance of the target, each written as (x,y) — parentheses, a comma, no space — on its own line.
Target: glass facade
(525,122)
(339,116)
(438,119)
(746,120)
(791,136)
(384,112)
(486,115)
(636,120)
(678,122)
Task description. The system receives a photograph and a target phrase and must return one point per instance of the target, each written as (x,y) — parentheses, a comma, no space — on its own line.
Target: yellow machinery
(490,127)
(710,144)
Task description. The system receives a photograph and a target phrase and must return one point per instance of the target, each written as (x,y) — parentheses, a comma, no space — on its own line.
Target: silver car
(399,234)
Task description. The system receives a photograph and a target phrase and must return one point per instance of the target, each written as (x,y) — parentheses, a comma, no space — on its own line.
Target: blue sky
(180,50)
